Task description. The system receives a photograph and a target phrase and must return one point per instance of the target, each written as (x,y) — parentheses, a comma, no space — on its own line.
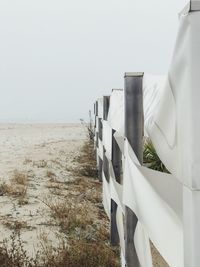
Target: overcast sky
(58,56)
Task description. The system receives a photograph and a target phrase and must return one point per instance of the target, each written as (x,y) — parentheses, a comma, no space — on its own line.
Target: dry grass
(14,255)
(14,190)
(54,185)
(77,211)
(91,188)
(69,215)
(86,161)
(50,174)
(74,181)
(23,200)
(14,224)
(17,187)
(72,254)
(19,178)
(94,196)
(4,188)
(83,254)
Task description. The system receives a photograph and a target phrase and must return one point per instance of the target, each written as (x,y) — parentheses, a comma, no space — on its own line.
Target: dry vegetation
(19,178)
(87,161)
(51,174)
(16,187)
(14,224)
(77,253)
(69,215)
(75,207)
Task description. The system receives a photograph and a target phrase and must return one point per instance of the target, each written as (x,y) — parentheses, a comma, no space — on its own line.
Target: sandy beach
(43,154)
(37,151)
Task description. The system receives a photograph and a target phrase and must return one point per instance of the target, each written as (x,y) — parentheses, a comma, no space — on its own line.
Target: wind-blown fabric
(165,204)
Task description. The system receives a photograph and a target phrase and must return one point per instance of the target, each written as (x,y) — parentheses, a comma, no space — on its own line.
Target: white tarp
(100,149)
(116,111)
(172,123)
(100,108)
(107,139)
(166,205)
(156,215)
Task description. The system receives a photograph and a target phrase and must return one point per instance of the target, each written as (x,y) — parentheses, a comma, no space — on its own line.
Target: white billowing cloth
(116,111)
(100,108)
(172,112)
(160,119)
(172,122)
(107,139)
(157,202)
(153,87)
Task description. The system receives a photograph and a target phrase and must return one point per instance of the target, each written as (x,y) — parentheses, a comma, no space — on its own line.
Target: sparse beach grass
(17,187)
(14,224)
(65,197)
(69,215)
(19,178)
(51,174)
(76,253)
(86,161)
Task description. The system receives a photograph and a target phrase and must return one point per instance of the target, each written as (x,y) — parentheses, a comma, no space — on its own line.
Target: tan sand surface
(38,151)
(35,150)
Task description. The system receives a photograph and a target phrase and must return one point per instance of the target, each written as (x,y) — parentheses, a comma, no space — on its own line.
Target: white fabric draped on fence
(165,204)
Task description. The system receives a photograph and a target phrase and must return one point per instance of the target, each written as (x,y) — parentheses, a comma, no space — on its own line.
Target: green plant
(151,158)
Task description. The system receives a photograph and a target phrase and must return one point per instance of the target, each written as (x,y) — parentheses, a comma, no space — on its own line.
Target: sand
(36,150)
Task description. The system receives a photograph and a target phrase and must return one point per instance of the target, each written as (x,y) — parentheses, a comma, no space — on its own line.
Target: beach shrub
(69,214)
(151,158)
(16,187)
(86,161)
(74,253)
(89,127)
(19,178)
(14,255)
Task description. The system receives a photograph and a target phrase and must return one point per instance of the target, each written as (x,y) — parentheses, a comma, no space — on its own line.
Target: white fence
(144,204)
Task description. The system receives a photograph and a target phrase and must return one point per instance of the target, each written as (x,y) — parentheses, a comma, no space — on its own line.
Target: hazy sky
(58,56)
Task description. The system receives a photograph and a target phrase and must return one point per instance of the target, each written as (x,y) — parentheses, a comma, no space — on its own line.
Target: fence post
(106,104)
(98,125)
(96,117)
(100,137)
(116,162)
(134,133)
(116,158)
